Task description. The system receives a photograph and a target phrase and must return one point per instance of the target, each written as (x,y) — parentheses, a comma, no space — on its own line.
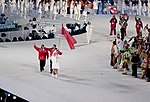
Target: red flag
(71,41)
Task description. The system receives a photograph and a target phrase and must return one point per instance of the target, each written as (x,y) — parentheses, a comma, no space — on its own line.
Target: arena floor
(84,76)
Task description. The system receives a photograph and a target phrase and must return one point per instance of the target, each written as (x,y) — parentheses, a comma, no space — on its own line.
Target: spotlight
(8,94)
(14,97)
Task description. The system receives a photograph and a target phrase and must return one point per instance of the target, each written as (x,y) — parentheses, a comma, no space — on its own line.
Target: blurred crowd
(76,8)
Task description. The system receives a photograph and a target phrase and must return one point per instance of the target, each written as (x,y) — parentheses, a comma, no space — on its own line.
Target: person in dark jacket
(43,53)
(135,60)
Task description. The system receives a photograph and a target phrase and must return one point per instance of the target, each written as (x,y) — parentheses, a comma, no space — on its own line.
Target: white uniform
(71,8)
(89,33)
(115,51)
(63,8)
(79,10)
(55,61)
(66,6)
(21,5)
(85,13)
(18,4)
(144,10)
(21,8)
(3,5)
(46,7)
(55,11)
(95,6)
(58,6)
(25,8)
(40,10)
(75,12)
(37,3)
(52,5)
(13,6)
(30,7)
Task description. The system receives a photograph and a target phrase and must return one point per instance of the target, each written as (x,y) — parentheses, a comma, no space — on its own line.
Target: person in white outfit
(71,8)
(85,12)
(25,8)
(58,7)
(21,8)
(37,3)
(75,11)
(119,44)
(18,6)
(144,9)
(66,6)
(46,9)
(3,5)
(55,65)
(63,10)
(30,26)
(89,32)
(13,6)
(79,10)
(40,9)
(54,11)
(54,61)
(95,6)
(52,5)
(30,7)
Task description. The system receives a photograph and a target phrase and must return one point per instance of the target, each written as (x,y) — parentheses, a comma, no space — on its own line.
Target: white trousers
(71,12)
(89,34)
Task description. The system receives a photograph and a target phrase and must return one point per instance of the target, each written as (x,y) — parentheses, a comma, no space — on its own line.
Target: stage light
(14,97)
(8,94)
